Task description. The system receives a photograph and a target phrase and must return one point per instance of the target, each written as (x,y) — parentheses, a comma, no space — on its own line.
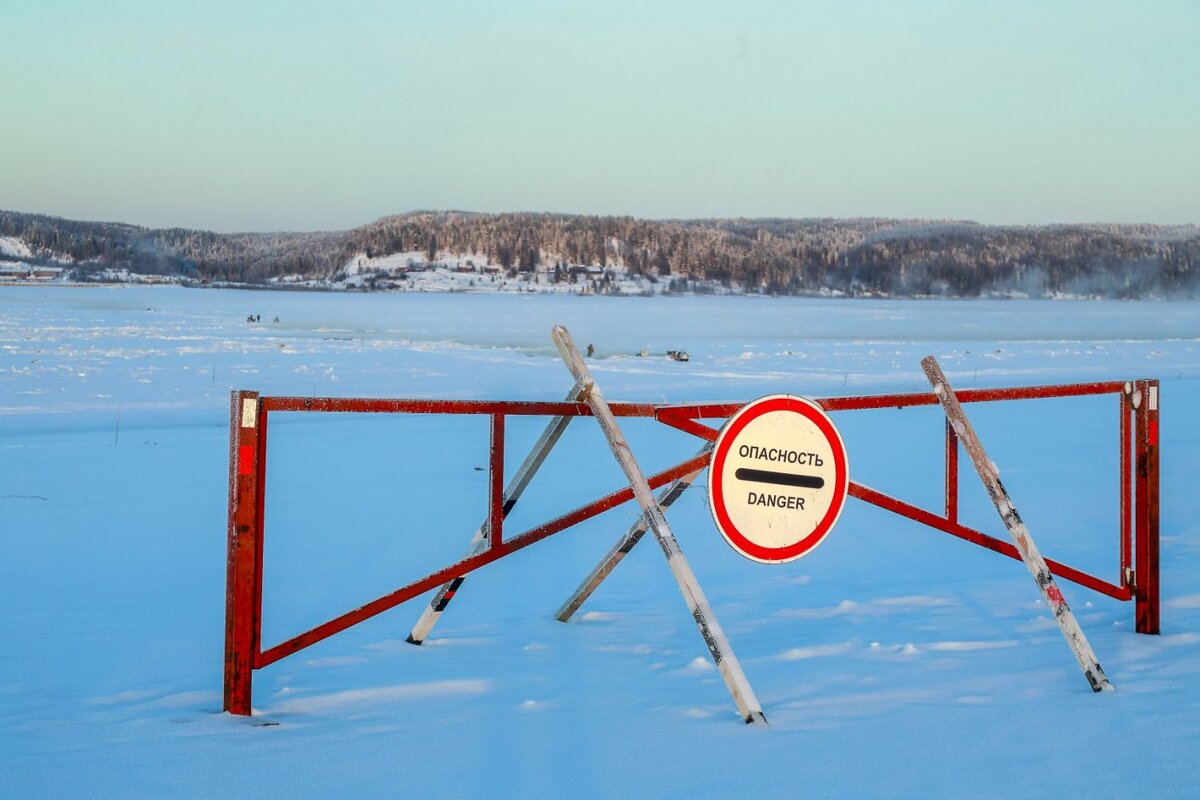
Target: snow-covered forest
(855,257)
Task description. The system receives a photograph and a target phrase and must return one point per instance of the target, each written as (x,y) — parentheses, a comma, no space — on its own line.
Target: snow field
(892,662)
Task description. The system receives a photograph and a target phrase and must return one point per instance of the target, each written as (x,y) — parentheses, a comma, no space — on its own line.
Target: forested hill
(780,256)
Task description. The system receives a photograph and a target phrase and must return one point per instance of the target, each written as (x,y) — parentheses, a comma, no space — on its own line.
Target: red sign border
(841,480)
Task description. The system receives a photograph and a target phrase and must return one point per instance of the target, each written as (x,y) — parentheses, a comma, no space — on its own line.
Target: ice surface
(892,662)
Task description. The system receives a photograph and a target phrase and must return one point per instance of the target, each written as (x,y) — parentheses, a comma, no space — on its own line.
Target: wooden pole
(714,637)
(625,544)
(1016,527)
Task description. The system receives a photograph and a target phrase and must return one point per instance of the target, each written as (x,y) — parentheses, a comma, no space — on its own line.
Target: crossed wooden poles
(585,390)
(653,519)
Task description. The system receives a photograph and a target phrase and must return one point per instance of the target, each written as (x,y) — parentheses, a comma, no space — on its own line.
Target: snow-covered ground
(14,248)
(892,662)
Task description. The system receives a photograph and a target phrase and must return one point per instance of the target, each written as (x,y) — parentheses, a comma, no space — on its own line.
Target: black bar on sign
(780,478)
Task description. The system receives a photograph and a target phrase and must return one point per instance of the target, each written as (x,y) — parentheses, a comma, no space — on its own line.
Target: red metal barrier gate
(1137,578)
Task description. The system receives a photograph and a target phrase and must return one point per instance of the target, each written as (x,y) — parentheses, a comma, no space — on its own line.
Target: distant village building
(587,270)
(17,271)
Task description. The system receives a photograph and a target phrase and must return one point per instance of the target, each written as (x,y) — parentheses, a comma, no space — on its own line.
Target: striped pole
(480,541)
(625,544)
(1016,527)
(714,637)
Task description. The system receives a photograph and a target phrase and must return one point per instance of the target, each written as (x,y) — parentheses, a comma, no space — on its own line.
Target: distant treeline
(773,256)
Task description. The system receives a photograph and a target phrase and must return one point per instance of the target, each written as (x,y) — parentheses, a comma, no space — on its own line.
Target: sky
(308,115)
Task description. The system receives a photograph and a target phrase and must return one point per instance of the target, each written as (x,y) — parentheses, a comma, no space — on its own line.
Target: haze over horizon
(325,116)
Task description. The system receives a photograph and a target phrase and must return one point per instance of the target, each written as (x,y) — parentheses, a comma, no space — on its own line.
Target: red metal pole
(260,483)
(697,411)
(951,473)
(970,396)
(243,578)
(1126,468)
(496,483)
(678,419)
(932,520)
(1146,532)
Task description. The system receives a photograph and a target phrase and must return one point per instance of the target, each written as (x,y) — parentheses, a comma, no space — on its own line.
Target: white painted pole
(1016,527)
(626,543)
(714,637)
(516,487)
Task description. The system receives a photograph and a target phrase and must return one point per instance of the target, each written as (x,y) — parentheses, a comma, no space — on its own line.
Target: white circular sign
(778,478)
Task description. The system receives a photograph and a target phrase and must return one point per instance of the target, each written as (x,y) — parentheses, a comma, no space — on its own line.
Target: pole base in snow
(758,719)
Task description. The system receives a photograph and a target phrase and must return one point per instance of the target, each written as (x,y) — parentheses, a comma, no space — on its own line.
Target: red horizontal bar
(468,565)
(694,411)
(982,539)
(420,406)
(698,411)
(724,410)
(972,396)
(681,419)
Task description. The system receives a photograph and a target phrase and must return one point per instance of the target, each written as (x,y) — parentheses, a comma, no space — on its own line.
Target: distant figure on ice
(590,351)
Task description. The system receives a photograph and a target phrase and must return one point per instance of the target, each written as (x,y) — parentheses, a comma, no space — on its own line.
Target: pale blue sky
(250,115)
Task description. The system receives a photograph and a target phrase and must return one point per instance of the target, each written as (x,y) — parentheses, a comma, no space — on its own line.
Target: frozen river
(892,662)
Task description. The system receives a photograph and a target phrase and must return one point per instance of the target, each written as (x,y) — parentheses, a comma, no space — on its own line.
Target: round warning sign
(778,478)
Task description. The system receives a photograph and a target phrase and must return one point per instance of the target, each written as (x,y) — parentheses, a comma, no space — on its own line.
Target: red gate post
(1126,479)
(1146,440)
(495,526)
(243,577)
(951,472)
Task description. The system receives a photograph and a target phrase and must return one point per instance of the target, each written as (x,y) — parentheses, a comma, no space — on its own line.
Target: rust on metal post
(243,578)
(1146,530)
